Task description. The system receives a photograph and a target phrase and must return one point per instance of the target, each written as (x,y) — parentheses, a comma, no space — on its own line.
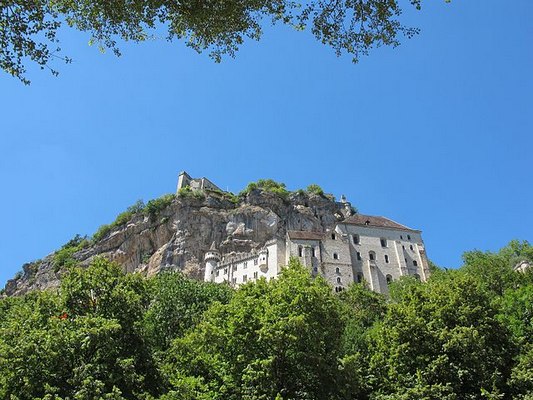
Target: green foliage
(154,207)
(121,219)
(186,192)
(267,185)
(63,258)
(277,338)
(315,189)
(110,335)
(177,305)
(219,27)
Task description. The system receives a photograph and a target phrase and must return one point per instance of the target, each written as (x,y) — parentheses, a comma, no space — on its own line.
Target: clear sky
(436,134)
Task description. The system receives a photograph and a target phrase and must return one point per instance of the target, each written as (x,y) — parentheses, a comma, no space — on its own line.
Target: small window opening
(359,256)
(300,251)
(359,278)
(411,247)
(389,279)
(255,275)
(356,239)
(408,237)
(313,251)
(401,237)
(245,278)
(415,263)
(333,236)
(335,256)
(372,256)
(386,258)
(417,276)
(337,270)
(338,279)
(383,242)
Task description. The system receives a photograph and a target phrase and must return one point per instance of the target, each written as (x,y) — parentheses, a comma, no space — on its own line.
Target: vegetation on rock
(465,334)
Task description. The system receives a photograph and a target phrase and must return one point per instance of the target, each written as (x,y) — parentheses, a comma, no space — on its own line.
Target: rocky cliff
(177,235)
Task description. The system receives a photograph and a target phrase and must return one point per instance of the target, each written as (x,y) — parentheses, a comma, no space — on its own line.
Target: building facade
(361,248)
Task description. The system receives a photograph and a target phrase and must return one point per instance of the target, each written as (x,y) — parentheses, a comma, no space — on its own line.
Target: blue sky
(435,134)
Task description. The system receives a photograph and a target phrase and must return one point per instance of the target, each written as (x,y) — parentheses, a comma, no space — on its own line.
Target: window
(389,279)
(313,251)
(335,256)
(245,278)
(359,256)
(417,276)
(356,239)
(383,242)
(256,275)
(245,265)
(386,258)
(338,279)
(403,247)
(234,281)
(337,270)
(339,289)
(333,236)
(300,251)
(405,260)
(359,277)
(401,237)
(372,256)
(411,247)
(225,271)
(235,268)
(218,272)
(408,237)
(256,261)
(415,263)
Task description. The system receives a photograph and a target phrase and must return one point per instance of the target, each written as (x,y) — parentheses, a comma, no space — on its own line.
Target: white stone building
(184,180)
(361,248)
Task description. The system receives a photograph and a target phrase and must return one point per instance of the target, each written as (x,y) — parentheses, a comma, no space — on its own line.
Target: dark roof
(381,222)
(306,235)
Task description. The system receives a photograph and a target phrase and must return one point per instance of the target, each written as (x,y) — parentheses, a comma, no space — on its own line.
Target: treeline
(466,334)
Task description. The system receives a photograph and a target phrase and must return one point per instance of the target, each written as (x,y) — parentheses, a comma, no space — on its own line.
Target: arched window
(300,251)
(371,255)
(338,279)
(386,258)
(356,239)
(389,279)
(337,270)
(408,237)
(335,256)
(415,263)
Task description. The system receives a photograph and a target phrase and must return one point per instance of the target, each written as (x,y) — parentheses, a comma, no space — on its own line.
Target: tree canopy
(28,29)
(466,334)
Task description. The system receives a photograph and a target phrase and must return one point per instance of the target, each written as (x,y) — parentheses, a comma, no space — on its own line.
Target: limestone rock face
(178,237)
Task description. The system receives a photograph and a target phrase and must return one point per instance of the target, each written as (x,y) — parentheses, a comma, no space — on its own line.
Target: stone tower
(212,258)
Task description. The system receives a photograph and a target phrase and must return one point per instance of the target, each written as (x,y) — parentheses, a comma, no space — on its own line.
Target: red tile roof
(380,222)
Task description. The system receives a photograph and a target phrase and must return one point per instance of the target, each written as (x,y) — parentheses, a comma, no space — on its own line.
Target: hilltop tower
(212,258)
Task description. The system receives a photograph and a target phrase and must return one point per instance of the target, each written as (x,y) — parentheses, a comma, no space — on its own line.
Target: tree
(277,339)
(28,29)
(441,339)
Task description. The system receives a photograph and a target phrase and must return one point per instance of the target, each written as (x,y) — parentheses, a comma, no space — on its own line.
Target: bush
(155,206)
(121,219)
(64,256)
(315,189)
(267,185)
(187,192)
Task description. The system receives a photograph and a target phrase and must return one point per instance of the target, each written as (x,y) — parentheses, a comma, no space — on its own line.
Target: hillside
(174,231)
